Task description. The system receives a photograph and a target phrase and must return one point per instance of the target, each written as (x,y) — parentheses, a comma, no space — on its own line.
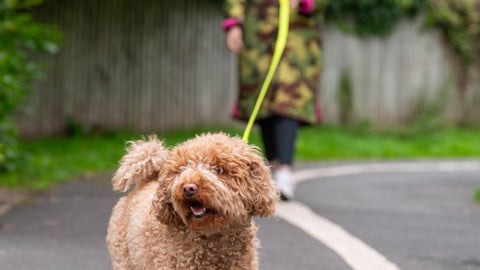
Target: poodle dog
(192,206)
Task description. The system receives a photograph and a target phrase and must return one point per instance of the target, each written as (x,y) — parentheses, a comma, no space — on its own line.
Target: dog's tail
(141,164)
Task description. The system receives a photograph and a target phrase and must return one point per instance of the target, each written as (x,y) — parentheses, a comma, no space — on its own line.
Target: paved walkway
(388,215)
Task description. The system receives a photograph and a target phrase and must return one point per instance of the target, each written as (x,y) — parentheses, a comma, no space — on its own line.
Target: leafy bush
(371,17)
(20,38)
(459,20)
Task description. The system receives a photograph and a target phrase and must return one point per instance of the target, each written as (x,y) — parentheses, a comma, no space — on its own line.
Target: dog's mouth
(198,209)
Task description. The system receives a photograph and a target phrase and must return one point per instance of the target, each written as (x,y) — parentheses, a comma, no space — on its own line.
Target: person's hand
(294,3)
(235,39)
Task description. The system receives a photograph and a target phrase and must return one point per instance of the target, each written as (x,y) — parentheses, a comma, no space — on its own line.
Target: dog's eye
(218,169)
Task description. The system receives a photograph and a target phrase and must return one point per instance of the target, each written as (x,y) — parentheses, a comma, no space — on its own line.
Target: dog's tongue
(198,210)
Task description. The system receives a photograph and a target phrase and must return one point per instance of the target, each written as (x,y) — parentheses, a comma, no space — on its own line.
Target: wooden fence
(153,65)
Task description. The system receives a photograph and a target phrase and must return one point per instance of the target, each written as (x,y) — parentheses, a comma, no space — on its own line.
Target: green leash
(283,22)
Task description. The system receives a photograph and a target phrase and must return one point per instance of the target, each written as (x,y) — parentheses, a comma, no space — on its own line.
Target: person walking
(251,28)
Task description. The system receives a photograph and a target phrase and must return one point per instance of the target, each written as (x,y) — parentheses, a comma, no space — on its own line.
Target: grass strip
(54,160)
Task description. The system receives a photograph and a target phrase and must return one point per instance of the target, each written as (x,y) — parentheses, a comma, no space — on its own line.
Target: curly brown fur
(192,207)
(141,163)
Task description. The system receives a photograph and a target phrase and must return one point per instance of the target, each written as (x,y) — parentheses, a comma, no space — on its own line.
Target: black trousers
(279,135)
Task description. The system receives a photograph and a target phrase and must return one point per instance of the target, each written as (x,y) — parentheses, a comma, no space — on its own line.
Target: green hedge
(371,17)
(459,20)
(20,38)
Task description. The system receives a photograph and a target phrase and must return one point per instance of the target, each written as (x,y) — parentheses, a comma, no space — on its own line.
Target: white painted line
(403,167)
(352,250)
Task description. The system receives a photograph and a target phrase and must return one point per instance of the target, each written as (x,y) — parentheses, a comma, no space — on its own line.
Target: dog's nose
(190,189)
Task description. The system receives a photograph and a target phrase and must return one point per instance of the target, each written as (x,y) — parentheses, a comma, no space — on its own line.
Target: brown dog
(192,206)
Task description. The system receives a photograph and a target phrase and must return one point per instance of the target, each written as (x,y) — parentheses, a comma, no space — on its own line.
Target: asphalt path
(386,215)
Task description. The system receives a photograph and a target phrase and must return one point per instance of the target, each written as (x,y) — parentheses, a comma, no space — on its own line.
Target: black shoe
(284,198)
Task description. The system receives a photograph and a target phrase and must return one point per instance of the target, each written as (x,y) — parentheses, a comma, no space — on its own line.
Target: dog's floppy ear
(142,163)
(162,205)
(266,195)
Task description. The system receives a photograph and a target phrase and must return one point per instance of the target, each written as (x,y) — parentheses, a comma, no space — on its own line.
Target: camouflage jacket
(293,92)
